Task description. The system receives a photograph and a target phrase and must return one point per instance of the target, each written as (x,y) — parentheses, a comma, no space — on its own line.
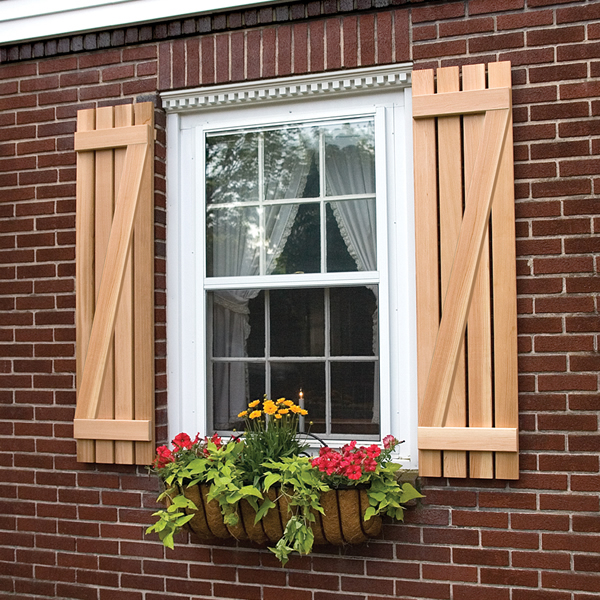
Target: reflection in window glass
(232,168)
(350,158)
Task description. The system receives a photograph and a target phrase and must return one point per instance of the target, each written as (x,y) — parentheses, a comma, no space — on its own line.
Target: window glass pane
(300,245)
(351,236)
(339,258)
(297,322)
(353,321)
(232,168)
(232,241)
(238,323)
(350,158)
(234,385)
(291,159)
(287,379)
(256,320)
(354,398)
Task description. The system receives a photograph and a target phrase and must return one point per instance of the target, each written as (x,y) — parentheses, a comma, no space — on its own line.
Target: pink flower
(390,442)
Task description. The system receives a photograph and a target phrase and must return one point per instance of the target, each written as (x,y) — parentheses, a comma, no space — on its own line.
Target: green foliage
(270,435)
(386,495)
(300,483)
(173,518)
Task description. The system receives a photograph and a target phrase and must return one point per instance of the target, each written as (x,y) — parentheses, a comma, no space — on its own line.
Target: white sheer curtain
(237,242)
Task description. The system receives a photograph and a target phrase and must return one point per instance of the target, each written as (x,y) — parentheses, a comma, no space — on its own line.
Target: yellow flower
(243,413)
(255,414)
(253,404)
(270,408)
(288,403)
(278,416)
(283,411)
(303,412)
(295,409)
(281,401)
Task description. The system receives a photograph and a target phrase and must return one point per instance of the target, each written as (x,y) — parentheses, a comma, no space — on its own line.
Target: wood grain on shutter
(114,313)
(459,183)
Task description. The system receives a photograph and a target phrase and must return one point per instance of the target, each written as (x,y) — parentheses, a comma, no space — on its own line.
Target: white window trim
(268,102)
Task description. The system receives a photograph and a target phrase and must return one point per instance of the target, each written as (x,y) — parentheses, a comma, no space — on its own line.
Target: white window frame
(383,92)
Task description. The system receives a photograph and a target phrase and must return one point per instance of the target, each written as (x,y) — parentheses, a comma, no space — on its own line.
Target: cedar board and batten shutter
(466,272)
(114,417)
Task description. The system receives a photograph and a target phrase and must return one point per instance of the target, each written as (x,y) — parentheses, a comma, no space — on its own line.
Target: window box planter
(342,522)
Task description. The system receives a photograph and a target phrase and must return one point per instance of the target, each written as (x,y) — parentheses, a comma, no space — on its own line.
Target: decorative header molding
(305,86)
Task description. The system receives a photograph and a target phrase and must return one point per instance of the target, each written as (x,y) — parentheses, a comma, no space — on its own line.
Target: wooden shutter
(114,418)
(466,272)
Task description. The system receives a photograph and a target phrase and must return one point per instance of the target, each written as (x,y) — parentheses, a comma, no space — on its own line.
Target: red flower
(182,440)
(353,472)
(163,457)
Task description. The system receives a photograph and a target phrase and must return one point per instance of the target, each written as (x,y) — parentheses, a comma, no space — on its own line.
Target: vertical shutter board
(105,190)
(143,247)
(450,199)
(505,303)
(466,261)
(426,238)
(84,265)
(481,464)
(123,343)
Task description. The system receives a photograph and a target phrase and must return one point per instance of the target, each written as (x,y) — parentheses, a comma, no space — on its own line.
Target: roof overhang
(29,20)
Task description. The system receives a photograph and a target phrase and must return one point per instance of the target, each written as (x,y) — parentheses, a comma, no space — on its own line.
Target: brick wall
(69,530)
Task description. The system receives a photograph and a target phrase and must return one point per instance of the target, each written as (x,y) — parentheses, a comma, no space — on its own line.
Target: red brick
(402,35)
(450,573)
(588,583)
(519,20)
(566,422)
(350,43)
(237,592)
(468,592)
(467,27)
(422,589)
(585,363)
(512,577)
(559,35)
(439,49)
(569,462)
(434,13)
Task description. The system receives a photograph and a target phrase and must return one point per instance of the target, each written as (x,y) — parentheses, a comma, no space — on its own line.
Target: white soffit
(28,20)
(305,86)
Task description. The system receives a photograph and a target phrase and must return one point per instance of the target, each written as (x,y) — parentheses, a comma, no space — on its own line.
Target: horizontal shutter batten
(112,429)
(461,103)
(118,137)
(486,439)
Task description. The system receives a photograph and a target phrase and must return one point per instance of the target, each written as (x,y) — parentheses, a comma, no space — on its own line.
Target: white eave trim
(30,20)
(305,86)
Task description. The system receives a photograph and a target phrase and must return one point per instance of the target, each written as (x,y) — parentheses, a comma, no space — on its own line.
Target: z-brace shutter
(466,272)
(114,418)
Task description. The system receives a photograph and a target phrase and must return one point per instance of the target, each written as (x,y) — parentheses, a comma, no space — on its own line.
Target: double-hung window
(290,262)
